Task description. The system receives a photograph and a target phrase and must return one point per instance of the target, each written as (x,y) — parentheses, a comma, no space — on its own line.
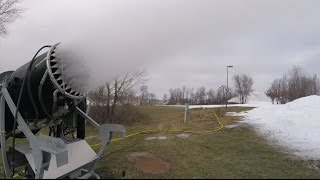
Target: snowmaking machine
(39,95)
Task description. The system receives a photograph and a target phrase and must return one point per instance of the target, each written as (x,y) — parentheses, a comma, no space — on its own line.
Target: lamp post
(227,86)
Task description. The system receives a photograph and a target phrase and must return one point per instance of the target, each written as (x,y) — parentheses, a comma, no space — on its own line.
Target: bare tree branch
(9,12)
(116,94)
(293,85)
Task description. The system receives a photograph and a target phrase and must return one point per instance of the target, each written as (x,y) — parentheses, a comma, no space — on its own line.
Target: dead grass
(230,153)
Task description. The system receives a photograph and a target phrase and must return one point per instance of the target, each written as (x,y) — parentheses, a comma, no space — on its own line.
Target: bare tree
(151,99)
(173,96)
(144,94)
(179,95)
(293,85)
(99,100)
(147,98)
(273,92)
(189,91)
(129,97)
(243,86)
(200,95)
(183,95)
(9,12)
(315,84)
(116,93)
(211,96)
(223,94)
(122,85)
(165,98)
(295,79)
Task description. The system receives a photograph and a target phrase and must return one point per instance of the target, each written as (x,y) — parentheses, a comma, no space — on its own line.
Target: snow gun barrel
(48,93)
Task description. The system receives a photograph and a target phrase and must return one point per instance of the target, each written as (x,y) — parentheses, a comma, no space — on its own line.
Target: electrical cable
(18,103)
(30,69)
(40,95)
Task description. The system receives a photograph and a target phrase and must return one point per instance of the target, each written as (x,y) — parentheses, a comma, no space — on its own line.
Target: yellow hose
(153,131)
(172,131)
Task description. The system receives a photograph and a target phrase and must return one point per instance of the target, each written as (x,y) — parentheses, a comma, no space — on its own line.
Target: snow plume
(120,36)
(125,36)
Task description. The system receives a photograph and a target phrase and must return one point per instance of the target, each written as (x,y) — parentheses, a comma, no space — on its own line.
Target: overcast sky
(179,42)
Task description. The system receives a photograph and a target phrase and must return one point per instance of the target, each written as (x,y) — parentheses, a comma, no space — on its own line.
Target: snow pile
(295,125)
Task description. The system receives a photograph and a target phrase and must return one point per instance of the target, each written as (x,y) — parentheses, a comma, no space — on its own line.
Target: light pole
(227,91)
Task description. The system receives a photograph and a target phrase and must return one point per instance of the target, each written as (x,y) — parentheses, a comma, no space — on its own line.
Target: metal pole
(6,167)
(227,91)
(88,118)
(186,113)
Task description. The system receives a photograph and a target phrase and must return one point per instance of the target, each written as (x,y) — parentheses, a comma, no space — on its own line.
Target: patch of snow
(156,137)
(150,138)
(295,125)
(183,135)
(243,113)
(232,126)
(260,104)
(162,137)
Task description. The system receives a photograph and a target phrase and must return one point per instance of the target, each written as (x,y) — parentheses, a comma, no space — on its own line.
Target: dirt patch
(149,163)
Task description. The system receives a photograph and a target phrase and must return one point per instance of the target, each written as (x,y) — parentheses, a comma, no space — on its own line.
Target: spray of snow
(116,37)
(120,37)
(294,125)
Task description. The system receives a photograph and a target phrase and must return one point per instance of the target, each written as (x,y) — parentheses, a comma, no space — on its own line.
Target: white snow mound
(295,125)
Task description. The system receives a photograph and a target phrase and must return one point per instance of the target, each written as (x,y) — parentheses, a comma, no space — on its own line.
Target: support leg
(105,132)
(6,167)
(42,147)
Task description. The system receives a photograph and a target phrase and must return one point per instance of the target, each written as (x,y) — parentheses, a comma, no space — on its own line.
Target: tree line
(294,84)
(243,86)
(115,100)
(198,96)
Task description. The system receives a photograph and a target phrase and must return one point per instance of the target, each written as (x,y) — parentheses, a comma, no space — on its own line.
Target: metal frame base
(40,149)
